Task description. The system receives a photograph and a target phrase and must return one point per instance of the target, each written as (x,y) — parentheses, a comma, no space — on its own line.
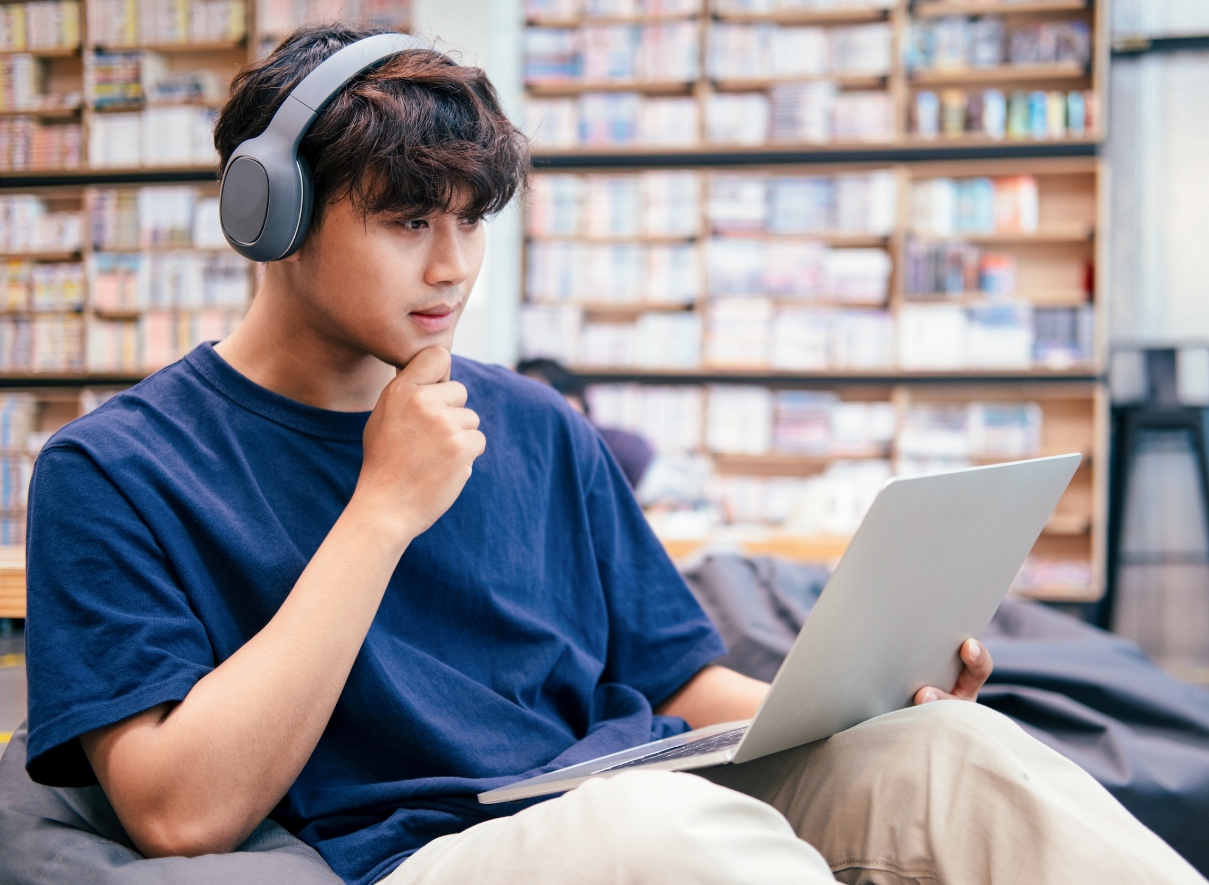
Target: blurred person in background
(633,453)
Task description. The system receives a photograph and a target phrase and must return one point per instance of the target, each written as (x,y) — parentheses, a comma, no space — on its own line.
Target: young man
(322,572)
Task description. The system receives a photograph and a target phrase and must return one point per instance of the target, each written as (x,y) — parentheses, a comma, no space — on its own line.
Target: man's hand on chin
(974,674)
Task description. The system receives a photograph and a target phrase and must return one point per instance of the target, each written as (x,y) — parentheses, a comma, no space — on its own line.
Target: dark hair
(557,376)
(419,134)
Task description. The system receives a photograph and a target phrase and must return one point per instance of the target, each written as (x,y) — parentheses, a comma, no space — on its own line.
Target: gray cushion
(52,835)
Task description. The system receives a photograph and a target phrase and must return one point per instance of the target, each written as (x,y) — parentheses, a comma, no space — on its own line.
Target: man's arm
(198,776)
(717,694)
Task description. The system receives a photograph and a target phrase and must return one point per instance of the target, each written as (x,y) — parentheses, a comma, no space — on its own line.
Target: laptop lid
(925,571)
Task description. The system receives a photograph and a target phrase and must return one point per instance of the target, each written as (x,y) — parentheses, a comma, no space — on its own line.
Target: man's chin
(401,356)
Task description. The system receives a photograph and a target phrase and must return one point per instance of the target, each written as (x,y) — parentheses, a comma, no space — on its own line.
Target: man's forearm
(714,695)
(199,776)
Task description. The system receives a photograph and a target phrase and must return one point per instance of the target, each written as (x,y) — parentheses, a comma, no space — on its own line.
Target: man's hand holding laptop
(973,677)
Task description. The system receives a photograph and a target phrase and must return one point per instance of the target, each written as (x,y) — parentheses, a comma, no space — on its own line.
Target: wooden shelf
(1054,298)
(1001,74)
(160,247)
(619,240)
(783,464)
(923,9)
(47,113)
(807,16)
(912,149)
(630,308)
(571,88)
(819,548)
(43,256)
(182,46)
(117,313)
(1061,593)
(840,240)
(57,52)
(844,81)
(143,104)
(587,21)
(12,582)
(1053,233)
(759,375)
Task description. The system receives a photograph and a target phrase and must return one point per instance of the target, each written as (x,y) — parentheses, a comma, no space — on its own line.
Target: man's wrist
(372,518)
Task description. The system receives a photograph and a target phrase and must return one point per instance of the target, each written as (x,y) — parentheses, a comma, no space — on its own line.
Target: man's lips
(434,319)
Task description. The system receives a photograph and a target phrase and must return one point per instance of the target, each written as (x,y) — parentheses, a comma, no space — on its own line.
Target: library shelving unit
(976,99)
(105,156)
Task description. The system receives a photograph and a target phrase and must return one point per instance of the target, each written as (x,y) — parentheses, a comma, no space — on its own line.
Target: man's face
(387,286)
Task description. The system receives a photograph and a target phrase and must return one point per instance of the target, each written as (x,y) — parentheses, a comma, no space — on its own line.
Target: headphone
(267,193)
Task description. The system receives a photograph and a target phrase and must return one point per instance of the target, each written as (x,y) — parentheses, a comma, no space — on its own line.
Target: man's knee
(694,830)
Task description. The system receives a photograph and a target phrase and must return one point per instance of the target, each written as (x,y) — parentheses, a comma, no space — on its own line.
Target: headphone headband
(266,198)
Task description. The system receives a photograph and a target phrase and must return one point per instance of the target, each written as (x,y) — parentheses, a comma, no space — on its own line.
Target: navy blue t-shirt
(535,625)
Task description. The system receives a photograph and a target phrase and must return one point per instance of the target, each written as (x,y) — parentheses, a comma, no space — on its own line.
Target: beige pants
(950,792)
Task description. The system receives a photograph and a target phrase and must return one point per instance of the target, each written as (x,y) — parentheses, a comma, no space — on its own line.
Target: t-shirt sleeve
(109,633)
(659,636)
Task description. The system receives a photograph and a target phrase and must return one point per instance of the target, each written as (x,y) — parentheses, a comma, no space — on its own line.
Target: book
(42,24)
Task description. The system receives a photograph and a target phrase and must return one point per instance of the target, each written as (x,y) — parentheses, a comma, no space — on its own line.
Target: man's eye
(415,223)
(471,222)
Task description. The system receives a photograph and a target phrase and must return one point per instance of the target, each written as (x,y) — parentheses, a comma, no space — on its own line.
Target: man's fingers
(430,366)
(928,694)
(467,419)
(974,674)
(447,393)
(977,670)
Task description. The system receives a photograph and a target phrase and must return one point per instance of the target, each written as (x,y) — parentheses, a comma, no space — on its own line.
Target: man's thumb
(430,366)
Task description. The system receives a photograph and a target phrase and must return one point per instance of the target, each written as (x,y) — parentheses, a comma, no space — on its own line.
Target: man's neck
(282,349)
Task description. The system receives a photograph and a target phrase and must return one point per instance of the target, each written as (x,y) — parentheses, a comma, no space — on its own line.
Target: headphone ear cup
(307,193)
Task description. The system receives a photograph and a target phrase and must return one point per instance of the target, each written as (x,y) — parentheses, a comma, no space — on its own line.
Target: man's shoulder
(137,414)
(504,386)
(536,412)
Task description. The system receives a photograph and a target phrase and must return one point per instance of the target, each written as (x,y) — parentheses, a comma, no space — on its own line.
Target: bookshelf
(953,316)
(145,273)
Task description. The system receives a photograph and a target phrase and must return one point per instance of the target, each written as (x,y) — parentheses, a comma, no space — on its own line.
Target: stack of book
(669,418)
(663,53)
(1020,114)
(653,341)
(16,275)
(17,422)
(149,22)
(612,273)
(158,136)
(945,207)
(754,333)
(957,432)
(953,268)
(57,287)
(42,24)
(26,225)
(957,43)
(739,419)
(832,503)
(612,119)
(20,86)
(28,145)
(276,19)
(653,203)
(767,7)
(766,51)
(851,203)
(994,335)
(162,277)
(820,423)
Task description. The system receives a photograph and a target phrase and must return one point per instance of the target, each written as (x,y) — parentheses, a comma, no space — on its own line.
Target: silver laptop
(925,571)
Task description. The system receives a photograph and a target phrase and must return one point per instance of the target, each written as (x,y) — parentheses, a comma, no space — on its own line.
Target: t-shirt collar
(204,360)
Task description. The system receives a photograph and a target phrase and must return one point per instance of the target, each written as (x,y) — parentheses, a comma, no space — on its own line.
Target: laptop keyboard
(721,741)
